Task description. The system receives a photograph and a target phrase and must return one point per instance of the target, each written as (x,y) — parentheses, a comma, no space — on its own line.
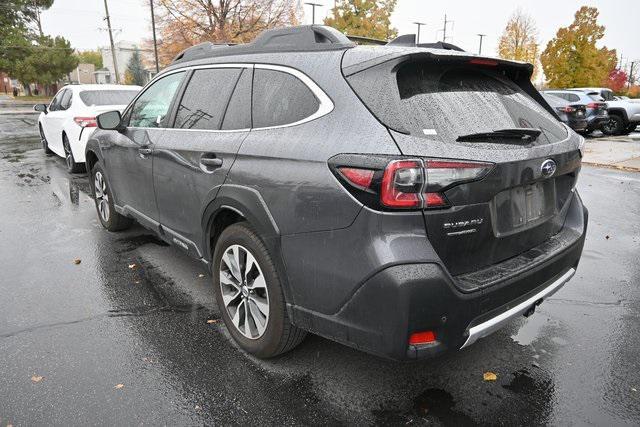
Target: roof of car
(103,87)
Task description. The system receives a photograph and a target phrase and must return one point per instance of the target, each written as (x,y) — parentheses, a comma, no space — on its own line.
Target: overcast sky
(81,21)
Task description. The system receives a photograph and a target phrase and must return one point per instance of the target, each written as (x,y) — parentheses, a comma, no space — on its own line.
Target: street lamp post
(480,47)
(419,24)
(313,11)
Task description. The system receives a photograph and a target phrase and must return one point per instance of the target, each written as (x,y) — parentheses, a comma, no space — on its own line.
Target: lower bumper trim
(495,323)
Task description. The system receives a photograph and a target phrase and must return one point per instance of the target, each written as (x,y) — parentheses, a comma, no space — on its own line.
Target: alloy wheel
(244,291)
(102,196)
(68,157)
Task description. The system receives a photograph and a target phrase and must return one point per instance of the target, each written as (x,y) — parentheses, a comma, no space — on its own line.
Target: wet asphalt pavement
(124,338)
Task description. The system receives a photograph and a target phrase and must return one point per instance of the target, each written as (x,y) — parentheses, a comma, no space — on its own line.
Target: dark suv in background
(404,200)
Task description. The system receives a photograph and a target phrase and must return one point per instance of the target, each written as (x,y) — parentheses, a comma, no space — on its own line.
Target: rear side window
(573,97)
(280,98)
(238,114)
(441,101)
(205,100)
(107,97)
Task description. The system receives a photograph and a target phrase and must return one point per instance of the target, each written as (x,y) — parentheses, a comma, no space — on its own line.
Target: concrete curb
(610,166)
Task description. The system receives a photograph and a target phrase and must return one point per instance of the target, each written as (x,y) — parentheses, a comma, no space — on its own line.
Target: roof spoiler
(409,40)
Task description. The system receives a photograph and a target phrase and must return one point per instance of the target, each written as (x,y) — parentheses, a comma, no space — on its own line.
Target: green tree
(90,57)
(135,74)
(572,59)
(365,18)
(47,61)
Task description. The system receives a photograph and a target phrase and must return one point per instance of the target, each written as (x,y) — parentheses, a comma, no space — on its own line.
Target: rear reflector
(425,337)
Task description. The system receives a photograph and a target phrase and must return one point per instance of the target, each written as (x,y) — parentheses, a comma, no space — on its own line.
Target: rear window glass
(107,97)
(595,96)
(447,101)
(280,98)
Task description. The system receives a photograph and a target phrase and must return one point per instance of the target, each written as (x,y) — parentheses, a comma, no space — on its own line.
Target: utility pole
(313,11)
(155,43)
(444,29)
(419,24)
(480,48)
(630,78)
(113,47)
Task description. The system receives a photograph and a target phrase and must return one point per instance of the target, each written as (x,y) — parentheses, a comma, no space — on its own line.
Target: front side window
(55,102)
(151,108)
(205,99)
(280,98)
(65,103)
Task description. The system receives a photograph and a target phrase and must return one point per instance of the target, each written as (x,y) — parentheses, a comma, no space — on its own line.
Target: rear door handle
(144,151)
(211,162)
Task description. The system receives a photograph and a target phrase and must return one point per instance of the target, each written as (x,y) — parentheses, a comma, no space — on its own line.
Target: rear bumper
(577,124)
(407,298)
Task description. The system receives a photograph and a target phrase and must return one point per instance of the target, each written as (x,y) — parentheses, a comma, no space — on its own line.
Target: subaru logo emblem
(548,167)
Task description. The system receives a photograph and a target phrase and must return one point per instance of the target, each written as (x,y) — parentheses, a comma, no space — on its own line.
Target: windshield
(107,97)
(445,101)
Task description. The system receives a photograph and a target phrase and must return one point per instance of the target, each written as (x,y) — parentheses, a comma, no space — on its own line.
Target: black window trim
(325,106)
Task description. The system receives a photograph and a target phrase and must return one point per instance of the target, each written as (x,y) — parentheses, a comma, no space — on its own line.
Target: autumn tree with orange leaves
(519,40)
(184,23)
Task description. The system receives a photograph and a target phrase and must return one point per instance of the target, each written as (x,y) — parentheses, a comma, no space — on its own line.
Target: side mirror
(111,120)
(41,108)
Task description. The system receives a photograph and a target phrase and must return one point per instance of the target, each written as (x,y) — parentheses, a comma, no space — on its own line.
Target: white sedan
(67,122)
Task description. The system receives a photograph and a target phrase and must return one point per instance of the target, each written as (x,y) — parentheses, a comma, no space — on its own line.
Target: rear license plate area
(523,207)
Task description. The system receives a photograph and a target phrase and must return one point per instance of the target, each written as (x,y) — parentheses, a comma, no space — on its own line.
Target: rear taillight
(566,109)
(86,122)
(596,105)
(407,183)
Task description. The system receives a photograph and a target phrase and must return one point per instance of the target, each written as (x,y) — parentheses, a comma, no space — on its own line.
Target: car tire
(265,329)
(44,142)
(72,166)
(615,125)
(103,197)
(631,128)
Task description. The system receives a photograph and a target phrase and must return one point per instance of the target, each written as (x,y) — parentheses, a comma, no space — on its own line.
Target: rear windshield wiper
(506,136)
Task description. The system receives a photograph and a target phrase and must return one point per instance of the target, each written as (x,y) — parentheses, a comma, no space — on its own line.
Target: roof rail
(198,50)
(289,39)
(409,40)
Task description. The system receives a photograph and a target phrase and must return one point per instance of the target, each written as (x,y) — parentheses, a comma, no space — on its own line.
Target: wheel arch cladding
(233,203)
(91,158)
(619,112)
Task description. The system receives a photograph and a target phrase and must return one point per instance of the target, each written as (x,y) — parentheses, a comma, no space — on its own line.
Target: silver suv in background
(624,115)
(595,108)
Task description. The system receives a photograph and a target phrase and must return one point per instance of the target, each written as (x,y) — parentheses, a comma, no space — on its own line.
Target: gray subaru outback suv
(404,199)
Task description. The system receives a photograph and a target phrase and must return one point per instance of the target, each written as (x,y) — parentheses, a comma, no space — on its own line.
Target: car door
(52,121)
(128,157)
(192,160)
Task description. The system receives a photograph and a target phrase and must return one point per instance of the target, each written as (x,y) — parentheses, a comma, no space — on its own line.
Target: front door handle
(211,162)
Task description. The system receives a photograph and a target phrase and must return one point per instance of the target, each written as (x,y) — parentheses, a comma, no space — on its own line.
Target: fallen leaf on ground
(210,321)
(36,378)
(198,407)
(634,389)
(489,376)
(136,282)
(119,386)
(200,275)
(132,266)
(77,261)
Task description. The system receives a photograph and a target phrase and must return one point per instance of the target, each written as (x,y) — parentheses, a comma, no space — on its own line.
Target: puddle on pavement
(532,329)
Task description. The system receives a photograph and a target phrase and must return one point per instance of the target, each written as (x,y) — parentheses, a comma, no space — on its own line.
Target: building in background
(124,51)
(83,74)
